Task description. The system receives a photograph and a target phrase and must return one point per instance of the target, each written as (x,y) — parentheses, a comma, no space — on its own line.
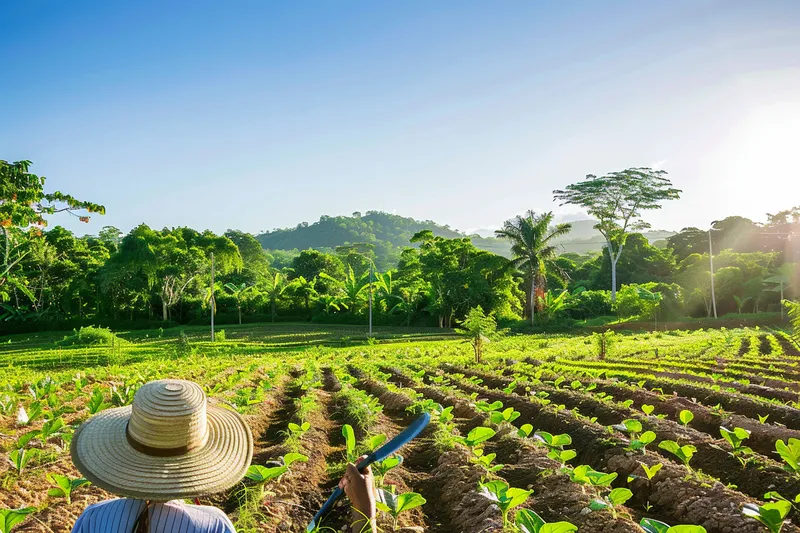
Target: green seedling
(11,517)
(555,444)
(585,475)
(685,417)
(264,474)
(505,496)
(735,438)
(627,404)
(297,430)
(350,443)
(528,521)
(96,402)
(64,486)
(51,428)
(654,526)
(684,453)
(34,411)
(525,431)
(487,407)
(20,458)
(507,415)
(25,438)
(477,436)
(790,453)
(511,387)
(611,501)
(648,409)
(763,419)
(638,440)
(485,460)
(374,441)
(651,471)
(381,468)
(395,504)
(772,514)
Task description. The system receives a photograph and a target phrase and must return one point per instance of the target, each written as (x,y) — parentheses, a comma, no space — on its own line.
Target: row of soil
(673,495)
(749,406)
(713,455)
(555,496)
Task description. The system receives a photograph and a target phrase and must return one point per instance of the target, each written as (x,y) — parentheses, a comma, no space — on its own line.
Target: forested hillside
(389,234)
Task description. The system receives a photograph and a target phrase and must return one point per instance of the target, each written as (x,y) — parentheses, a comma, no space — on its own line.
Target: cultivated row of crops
(689,431)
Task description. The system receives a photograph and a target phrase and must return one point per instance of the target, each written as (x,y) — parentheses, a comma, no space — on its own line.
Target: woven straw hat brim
(101,452)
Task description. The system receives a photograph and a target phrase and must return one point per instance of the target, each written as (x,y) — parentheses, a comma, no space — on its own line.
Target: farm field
(679,427)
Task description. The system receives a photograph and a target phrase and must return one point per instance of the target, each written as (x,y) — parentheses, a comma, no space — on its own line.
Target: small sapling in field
(684,453)
(638,440)
(505,497)
(528,521)
(395,504)
(585,475)
(11,517)
(477,436)
(64,486)
(736,438)
(381,468)
(654,526)
(685,417)
(555,444)
(790,453)
(611,500)
(772,514)
(264,474)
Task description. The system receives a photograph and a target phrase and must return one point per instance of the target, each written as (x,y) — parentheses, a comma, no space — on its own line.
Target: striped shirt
(119,516)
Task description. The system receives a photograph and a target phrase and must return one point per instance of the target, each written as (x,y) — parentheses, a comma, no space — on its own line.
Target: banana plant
(65,486)
(655,526)
(395,504)
(772,514)
(684,453)
(790,453)
(504,496)
(528,521)
(11,517)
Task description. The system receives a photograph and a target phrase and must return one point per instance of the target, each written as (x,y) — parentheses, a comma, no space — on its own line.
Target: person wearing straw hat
(168,446)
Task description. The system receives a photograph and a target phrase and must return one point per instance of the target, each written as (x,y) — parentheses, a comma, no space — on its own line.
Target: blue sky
(256,115)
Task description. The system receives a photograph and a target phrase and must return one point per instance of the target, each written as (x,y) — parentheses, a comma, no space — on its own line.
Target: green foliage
(90,335)
(793,309)
(612,500)
(64,486)
(477,436)
(262,475)
(684,453)
(20,458)
(654,526)
(790,453)
(11,517)
(504,496)
(685,416)
(395,504)
(772,515)
(479,329)
(586,475)
(527,521)
(350,443)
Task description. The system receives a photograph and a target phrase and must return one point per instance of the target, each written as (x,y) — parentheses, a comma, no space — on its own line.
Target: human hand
(360,488)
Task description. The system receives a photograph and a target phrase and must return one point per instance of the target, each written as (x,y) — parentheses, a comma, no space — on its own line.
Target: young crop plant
(476,437)
(525,431)
(65,486)
(790,453)
(381,468)
(685,417)
(20,458)
(555,445)
(486,407)
(97,402)
(648,409)
(527,521)
(505,497)
(772,514)
(395,504)
(262,475)
(507,415)
(34,412)
(350,443)
(11,517)
(638,439)
(736,438)
(684,453)
(485,460)
(611,500)
(654,526)
(585,475)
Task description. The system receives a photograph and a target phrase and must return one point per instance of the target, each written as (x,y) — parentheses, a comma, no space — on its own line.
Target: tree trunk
(533,296)
(273,309)
(613,281)
(240,314)
(164,309)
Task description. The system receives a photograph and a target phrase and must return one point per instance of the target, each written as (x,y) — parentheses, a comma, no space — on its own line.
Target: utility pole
(213,301)
(711,263)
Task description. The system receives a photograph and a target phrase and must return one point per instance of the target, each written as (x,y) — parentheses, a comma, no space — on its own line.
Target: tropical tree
(275,286)
(305,289)
(531,238)
(479,328)
(351,290)
(237,291)
(617,201)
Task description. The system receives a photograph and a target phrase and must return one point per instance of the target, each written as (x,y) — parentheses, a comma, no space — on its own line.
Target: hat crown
(169,414)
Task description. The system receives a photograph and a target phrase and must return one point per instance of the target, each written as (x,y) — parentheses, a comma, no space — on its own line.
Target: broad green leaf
(653,526)
(619,496)
(648,409)
(409,500)
(293,457)
(686,416)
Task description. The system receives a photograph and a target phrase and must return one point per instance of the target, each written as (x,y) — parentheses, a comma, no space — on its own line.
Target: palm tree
(305,289)
(275,287)
(530,238)
(237,291)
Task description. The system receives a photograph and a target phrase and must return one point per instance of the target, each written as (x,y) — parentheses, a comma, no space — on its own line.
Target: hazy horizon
(466,113)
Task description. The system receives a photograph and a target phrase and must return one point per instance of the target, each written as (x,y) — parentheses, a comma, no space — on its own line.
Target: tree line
(51,278)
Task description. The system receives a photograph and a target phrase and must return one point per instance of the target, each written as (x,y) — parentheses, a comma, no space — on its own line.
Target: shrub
(588,304)
(90,335)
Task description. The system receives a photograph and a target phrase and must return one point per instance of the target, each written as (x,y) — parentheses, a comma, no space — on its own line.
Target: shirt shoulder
(115,516)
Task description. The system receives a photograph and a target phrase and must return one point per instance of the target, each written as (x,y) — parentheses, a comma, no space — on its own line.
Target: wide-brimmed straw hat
(169,444)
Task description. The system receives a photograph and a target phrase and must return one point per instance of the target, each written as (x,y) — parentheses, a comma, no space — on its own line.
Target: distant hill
(391,233)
